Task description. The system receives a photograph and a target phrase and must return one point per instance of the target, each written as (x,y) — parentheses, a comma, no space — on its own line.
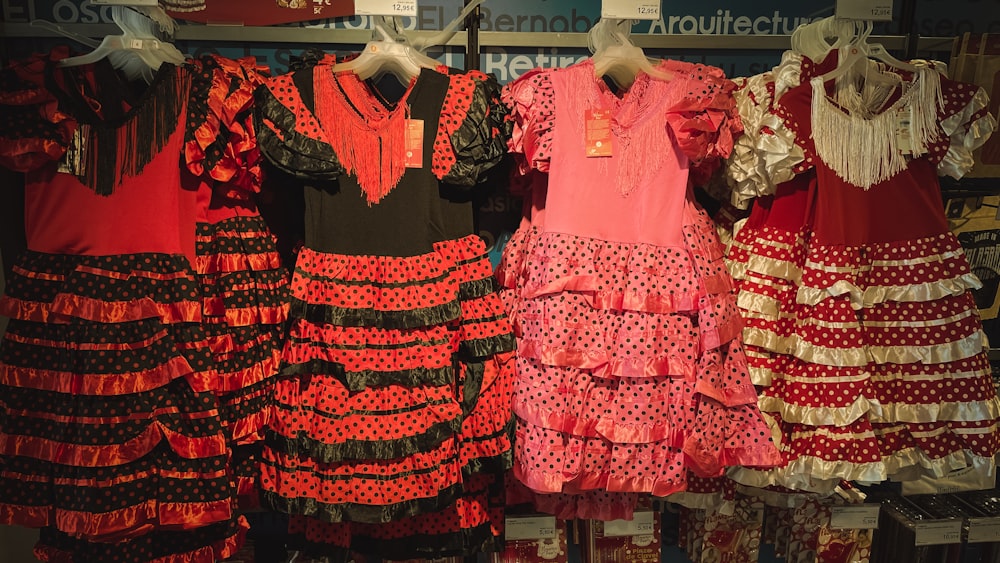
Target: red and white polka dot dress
(630,372)
(858,299)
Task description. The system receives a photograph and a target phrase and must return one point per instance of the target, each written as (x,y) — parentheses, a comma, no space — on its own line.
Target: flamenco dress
(857,297)
(630,374)
(111,439)
(240,272)
(391,431)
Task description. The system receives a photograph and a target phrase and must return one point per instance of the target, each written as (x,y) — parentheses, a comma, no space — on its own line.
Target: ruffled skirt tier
(630,373)
(392,413)
(873,356)
(111,431)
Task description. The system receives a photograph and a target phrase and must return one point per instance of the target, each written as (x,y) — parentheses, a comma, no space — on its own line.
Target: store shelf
(313,35)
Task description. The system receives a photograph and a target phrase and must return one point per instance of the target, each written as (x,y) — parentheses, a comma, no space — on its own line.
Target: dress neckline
(83,110)
(368,137)
(867,150)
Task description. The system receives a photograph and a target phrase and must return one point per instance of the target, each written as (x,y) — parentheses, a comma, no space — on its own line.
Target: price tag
(875,10)
(641,524)
(631,9)
(903,127)
(414,144)
(530,527)
(984,530)
(597,128)
(859,517)
(386,8)
(938,532)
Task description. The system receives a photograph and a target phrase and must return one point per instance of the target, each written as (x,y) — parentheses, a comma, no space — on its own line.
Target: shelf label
(631,9)
(641,524)
(938,532)
(386,8)
(530,527)
(874,10)
(859,517)
(984,530)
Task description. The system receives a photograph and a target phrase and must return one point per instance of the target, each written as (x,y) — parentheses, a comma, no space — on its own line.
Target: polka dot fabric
(204,545)
(867,336)
(31,135)
(110,419)
(393,402)
(474,522)
(397,395)
(244,309)
(630,373)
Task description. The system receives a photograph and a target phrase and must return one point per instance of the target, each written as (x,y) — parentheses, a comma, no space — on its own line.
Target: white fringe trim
(864,152)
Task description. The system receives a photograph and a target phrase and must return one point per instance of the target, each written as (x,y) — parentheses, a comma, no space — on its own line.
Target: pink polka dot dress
(630,371)
(857,298)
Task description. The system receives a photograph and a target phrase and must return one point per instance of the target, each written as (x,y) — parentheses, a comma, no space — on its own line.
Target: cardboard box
(976,59)
(620,541)
(534,539)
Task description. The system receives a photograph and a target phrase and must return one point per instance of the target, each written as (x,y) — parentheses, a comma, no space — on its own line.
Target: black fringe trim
(307,447)
(352,512)
(116,153)
(340,316)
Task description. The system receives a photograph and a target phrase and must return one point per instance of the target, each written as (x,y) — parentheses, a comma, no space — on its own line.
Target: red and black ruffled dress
(391,431)
(242,279)
(111,439)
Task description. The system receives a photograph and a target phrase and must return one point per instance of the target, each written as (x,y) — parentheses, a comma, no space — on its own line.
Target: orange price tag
(598,131)
(414,143)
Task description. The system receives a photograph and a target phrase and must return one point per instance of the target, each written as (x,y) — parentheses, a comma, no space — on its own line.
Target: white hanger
(616,56)
(813,40)
(387,55)
(860,50)
(137,51)
(83,40)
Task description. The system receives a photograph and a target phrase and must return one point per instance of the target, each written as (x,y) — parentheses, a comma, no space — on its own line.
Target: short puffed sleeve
(703,117)
(473,130)
(220,142)
(531,101)
(966,125)
(33,131)
(749,171)
(784,145)
(288,133)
